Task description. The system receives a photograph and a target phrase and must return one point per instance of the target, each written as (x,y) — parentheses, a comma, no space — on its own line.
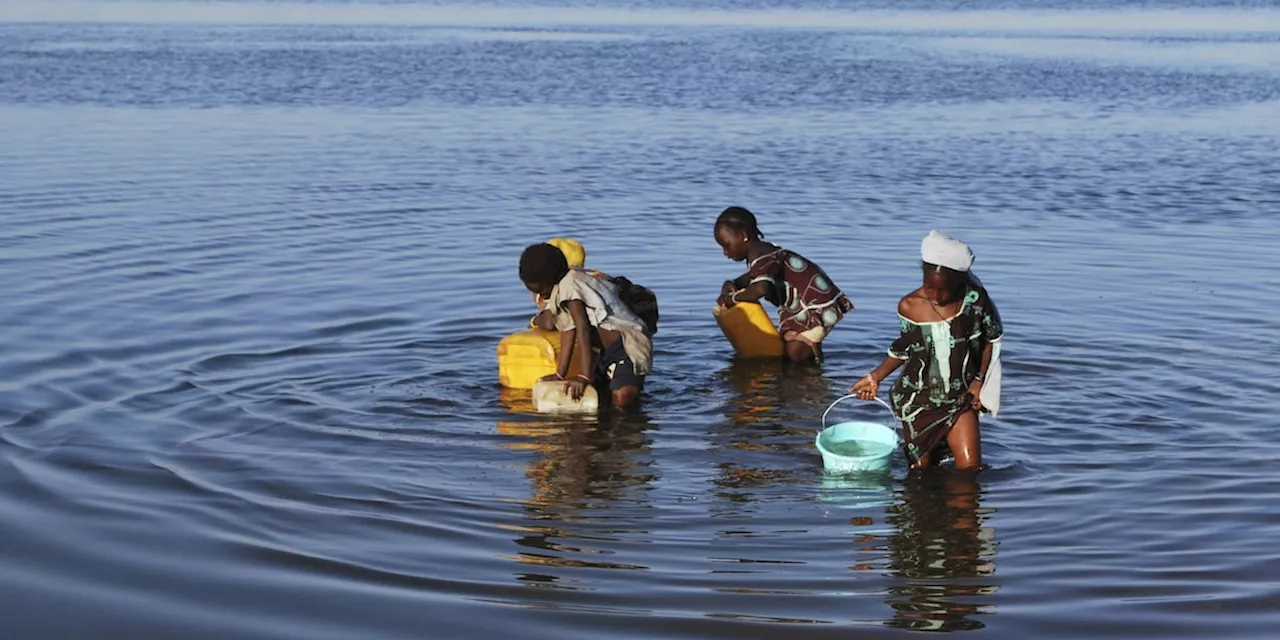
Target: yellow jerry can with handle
(750,330)
(526,356)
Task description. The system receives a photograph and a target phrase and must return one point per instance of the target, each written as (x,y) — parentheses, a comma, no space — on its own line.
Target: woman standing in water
(950,328)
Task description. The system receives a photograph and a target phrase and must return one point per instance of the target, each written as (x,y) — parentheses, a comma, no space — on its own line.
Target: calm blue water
(257,257)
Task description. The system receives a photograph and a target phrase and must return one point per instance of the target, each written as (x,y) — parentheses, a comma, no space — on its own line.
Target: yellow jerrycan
(526,356)
(750,330)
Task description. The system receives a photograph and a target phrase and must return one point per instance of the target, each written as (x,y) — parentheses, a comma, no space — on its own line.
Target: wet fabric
(941,359)
(806,298)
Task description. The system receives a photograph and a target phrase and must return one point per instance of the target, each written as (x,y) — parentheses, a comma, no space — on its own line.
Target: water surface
(257,258)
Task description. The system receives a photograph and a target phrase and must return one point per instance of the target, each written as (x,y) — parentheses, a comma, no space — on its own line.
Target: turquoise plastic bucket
(856,446)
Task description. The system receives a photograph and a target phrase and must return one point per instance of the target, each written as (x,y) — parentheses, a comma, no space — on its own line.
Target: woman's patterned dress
(806,298)
(941,359)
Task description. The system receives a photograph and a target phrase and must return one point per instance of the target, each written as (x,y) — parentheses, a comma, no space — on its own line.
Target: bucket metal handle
(846,397)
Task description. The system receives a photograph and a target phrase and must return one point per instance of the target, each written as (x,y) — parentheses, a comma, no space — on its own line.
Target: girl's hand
(866,387)
(551,377)
(577,386)
(726,294)
(726,298)
(975,394)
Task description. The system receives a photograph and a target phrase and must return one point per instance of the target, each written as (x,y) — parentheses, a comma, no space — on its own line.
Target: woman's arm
(975,387)
(986,360)
(869,385)
(992,330)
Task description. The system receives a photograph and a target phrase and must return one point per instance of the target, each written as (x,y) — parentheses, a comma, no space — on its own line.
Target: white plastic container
(552,396)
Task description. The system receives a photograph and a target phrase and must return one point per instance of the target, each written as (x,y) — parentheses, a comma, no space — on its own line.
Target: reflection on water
(579,464)
(771,410)
(583,470)
(860,490)
(941,552)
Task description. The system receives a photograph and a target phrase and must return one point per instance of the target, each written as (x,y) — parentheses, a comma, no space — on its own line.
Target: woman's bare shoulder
(913,306)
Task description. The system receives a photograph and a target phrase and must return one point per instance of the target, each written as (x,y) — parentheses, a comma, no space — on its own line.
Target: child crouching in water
(576,256)
(639,299)
(588,311)
(809,303)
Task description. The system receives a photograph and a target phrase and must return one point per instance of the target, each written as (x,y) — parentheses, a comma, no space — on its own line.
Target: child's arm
(566,353)
(730,286)
(582,333)
(751,293)
(576,339)
(544,320)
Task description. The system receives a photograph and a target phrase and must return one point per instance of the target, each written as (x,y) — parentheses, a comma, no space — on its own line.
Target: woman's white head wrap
(943,250)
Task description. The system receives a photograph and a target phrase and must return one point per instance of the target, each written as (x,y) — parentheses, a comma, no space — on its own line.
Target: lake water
(256,259)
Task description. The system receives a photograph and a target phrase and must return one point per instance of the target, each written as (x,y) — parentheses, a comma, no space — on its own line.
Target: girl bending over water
(809,303)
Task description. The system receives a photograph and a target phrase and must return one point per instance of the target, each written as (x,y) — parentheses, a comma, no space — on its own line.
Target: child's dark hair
(542,264)
(739,219)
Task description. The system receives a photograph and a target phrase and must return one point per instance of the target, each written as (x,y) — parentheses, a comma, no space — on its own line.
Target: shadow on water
(941,553)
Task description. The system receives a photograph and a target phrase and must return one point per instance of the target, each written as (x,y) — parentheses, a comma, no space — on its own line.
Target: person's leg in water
(805,346)
(962,443)
(798,352)
(925,461)
(934,457)
(965,441)
(626,397)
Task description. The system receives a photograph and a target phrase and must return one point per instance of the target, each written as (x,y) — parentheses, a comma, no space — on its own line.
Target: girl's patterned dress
(806,298)
(941,359)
